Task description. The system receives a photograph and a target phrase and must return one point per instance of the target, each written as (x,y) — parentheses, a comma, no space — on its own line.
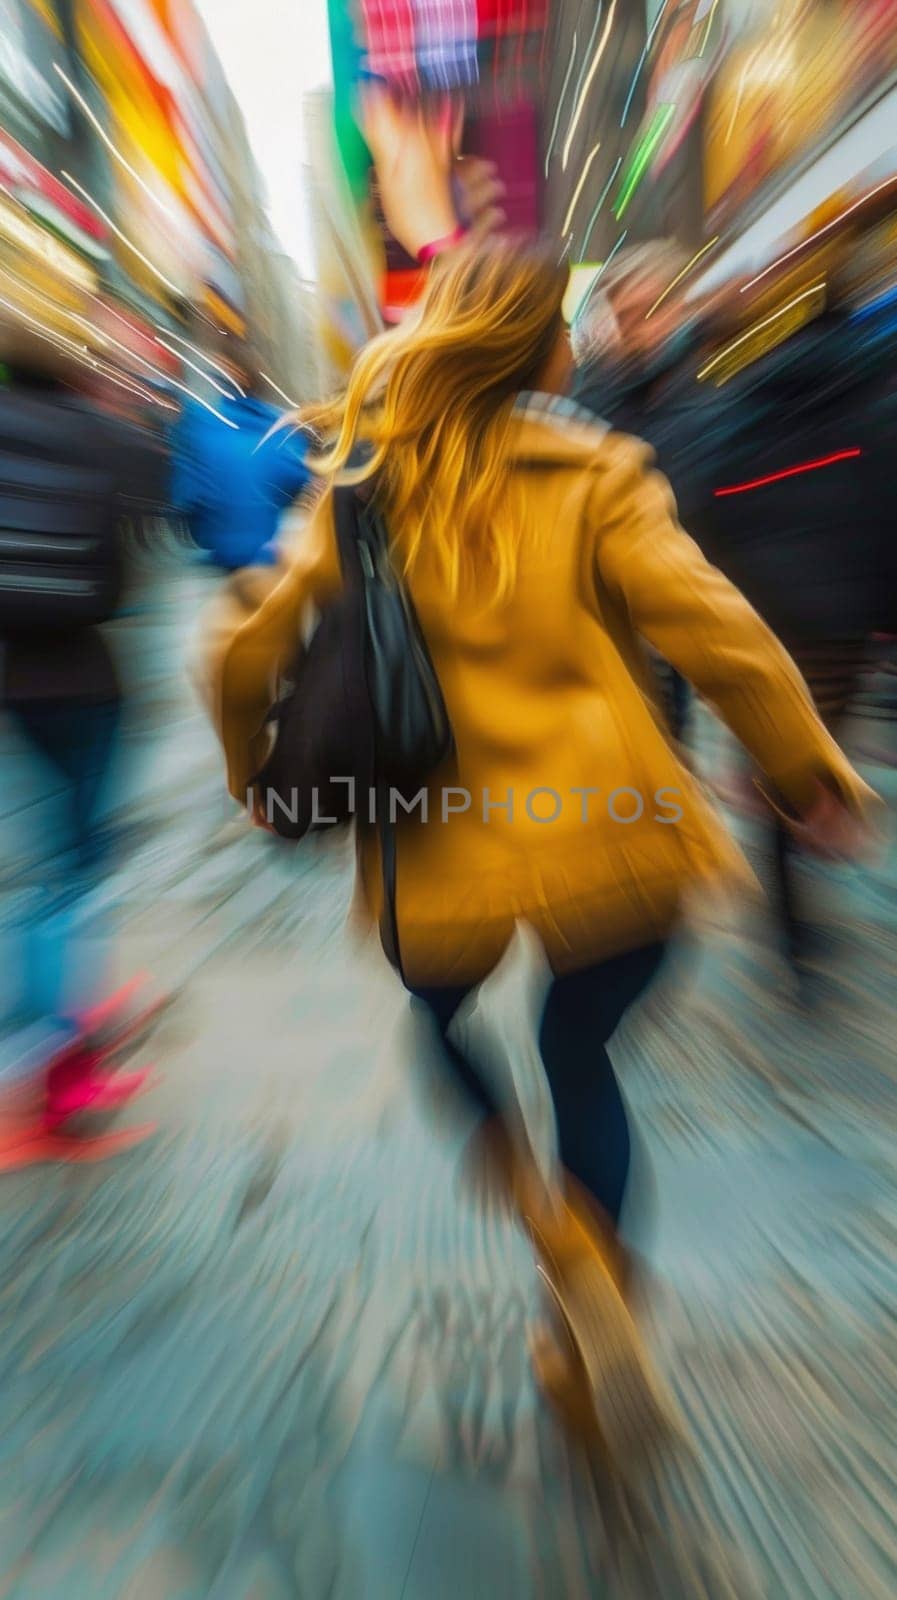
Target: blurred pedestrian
(537,547)
(233,471)
(809,546)
(811,549)
(630,340)
(800,509)
(64,474)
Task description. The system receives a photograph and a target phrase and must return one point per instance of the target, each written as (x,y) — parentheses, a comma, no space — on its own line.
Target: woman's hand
(413,151)
(420,172)
(830,830)
(480,193)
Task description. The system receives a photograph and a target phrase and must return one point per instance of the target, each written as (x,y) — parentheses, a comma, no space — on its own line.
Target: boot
(593,1365)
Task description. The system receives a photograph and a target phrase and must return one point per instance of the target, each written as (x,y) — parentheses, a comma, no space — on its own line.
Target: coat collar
(551,428)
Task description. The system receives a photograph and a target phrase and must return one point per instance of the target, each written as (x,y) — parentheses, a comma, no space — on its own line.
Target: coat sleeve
(248,645)
(705,628)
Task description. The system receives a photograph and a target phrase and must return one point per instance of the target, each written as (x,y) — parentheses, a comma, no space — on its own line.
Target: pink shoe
(79,1083)
(34,1109)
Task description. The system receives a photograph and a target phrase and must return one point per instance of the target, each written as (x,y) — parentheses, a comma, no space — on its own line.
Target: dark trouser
(78,740)
(63,940)
(582,1012)
(832,672)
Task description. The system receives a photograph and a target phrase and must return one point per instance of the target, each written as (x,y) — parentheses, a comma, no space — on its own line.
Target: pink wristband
(427,252)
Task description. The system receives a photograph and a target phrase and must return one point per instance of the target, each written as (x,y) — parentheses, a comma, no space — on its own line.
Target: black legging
(833,672)
(582,1011)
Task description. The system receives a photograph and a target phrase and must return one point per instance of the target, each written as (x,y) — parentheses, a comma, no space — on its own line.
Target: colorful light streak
(80,101)
(277,389)
(601,199)
(819,234)
(788,472)
(172,287)
(645,150)
(756,328)
(586,300)
(194,366)
(680,275)
(223,372)
(584,92)
(560,107)
(642,59)
(579,187)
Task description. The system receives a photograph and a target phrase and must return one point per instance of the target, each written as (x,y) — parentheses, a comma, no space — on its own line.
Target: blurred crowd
(769,405)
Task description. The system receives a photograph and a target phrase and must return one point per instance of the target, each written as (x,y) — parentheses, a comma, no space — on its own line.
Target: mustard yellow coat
(549,692)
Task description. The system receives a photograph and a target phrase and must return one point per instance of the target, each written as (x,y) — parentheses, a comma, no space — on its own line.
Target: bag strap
(389,923)
(350,515)
(346,519)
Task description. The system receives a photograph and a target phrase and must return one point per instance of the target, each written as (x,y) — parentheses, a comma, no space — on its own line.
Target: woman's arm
(430,196)
(706,629)
(245,649)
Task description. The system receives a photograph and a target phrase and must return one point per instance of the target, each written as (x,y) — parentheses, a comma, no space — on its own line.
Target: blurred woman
(68,475)
(536,546)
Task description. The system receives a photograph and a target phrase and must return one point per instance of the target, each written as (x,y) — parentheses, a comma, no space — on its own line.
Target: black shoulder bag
(360,711)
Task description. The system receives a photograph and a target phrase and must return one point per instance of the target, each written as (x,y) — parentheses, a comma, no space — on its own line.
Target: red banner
(22,175)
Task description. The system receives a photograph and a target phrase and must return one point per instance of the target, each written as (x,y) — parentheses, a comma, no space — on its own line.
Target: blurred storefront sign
(119,323)
(31,99)
(223,313)
(686,47)
(509,136)
(489,55)
(186,102)
(37,190)
(789,83)
(128,193)
(173,204)
(865,155)
(134,114)
(38,244)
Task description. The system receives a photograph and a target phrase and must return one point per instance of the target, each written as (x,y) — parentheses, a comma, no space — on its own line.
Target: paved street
(280,1349)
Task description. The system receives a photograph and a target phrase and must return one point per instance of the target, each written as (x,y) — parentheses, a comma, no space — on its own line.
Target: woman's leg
(79,741)
(582,1012)
(70,945)
(442,1005)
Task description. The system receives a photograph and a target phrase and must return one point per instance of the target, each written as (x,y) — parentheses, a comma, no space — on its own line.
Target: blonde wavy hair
(432,401)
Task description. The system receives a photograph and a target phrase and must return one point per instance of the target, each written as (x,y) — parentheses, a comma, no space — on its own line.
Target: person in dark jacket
(801,518)
(630,342)
(234,471)
(65,472)
(781,473)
